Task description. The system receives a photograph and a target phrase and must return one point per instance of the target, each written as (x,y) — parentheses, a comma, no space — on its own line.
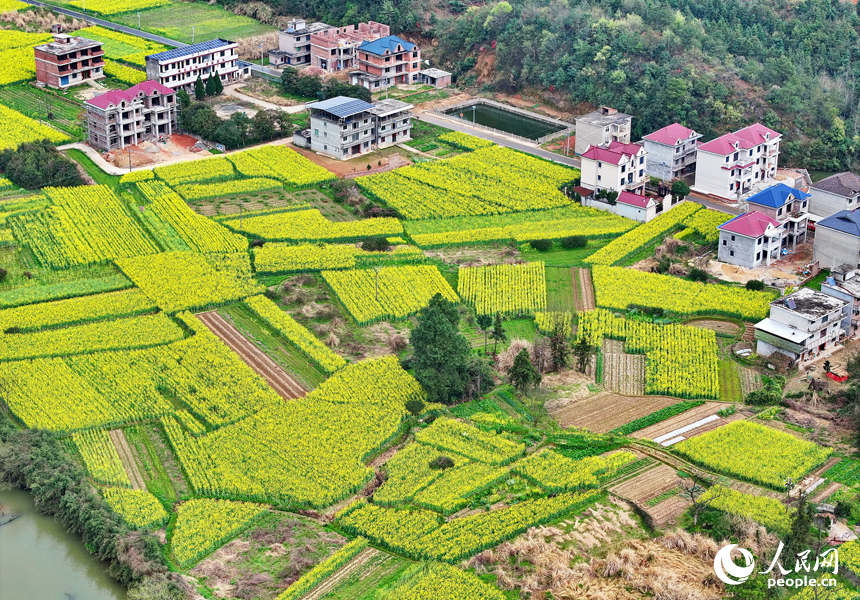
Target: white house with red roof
(121,118)
(671,152)
(615,167)
(750,240)
(730,165)
(633,206)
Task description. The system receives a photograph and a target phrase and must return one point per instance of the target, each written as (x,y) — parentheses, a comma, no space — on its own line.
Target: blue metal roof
(341,106)
(846,221)
(387,43)
(188,50)
(777,195)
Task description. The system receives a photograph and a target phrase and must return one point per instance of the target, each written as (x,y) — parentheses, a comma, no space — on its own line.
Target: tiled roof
(756,133)
(388,43)
(843,184)
(341,106)
(846,221)
(189,50)
(671,134)
(777,195)
(115,97)
(612,154)
(752,224)
(634,199)
(725,144)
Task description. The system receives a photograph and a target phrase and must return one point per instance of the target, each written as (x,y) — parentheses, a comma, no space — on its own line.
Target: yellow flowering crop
(557,473)
(323,570)
(311,226)
(389,293)
(135,176)
(469,441)
(505,289)
(101,458)
(204,525)
(289,166)
(409,472)
(115,7)
(444,582)
(296,334)
(763,510)
(196,171)
(127,75)
(464,140)
(705,223)
(138,508)
(122,46)
(457,485)
(206,191)
(546,322)
(755,453)
(276,257)
(15,128)
(11,5)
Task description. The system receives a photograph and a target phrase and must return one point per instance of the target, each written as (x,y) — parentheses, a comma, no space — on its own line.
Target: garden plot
(750,380)
(654,484)
(623,373)
(607,411)
(688,424)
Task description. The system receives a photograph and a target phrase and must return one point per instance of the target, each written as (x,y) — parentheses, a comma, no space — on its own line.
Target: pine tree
(199,90)
(559,346)
(523,374)
(219,87)
(484,323)
(799,538)
(583,351)
(210,86)
(441,353)
(498,334)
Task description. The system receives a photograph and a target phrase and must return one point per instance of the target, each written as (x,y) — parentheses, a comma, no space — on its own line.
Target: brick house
(787,205)
(750,240)
(617,167)
(180,67)
(294,43)
(123,118)
(385,62)
(729,166)
(671,152)
(68,61)
(336,49)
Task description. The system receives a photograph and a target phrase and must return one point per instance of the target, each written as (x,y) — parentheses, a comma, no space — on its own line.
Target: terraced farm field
(651,484)
(607,411)
(700,420)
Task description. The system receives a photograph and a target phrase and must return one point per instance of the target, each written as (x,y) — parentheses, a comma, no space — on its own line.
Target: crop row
(122,46)
(546,322)
(505,289)
(115,7)
(101,458)
(705,223)
(409,472)
(763,510)
(311,226)
(557,473)
(196,171)
(471,442)
(457,485)
(138,508)
(283,163)
(657,416)
(444,582)
(206,191)
(276,257)
(124,74)
(323,570)
(202,525)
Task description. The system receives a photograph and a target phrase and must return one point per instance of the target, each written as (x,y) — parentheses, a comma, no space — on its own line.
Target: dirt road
(264,366)
(117,436)
(583,289)
(344,572)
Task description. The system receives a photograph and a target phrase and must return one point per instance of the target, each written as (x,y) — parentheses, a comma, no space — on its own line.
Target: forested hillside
(713,65)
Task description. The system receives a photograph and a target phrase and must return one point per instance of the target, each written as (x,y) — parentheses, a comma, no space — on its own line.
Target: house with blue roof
(789,206)
(837,241)
(385,62)
(179,68)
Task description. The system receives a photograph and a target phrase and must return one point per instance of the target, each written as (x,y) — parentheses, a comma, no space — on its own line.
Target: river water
(40,560)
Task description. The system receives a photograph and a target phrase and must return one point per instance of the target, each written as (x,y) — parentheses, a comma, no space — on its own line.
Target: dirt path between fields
(255,358)
(344,572)
(585,295)
(117,436)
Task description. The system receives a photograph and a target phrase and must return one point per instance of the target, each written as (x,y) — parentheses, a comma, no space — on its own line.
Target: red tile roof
(752,224)
(671,134)
(612,154)
(634,199)
(116,96)
(755,134)
(725,144)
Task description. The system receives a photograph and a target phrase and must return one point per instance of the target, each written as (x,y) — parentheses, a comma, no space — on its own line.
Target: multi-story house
(837,240)
(844,283)
(121,118)
(800,325)
(671,152)
(179,68)
(345,127)
(729,166)
(616,167)
(336,49)
(385,62)
(601,127)
(294,43)
(68,61)
(832,194)
(787,205)
(750,240)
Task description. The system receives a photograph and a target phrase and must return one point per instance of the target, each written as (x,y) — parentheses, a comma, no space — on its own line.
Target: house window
(804,204)
(623,168)
(641,159)
(316,132)
(727,159)
(733,238)
(824,318)
(677,149)
(756,175)
(750,152)
(731,186)
(757,256)
(640,172)
(599,164)
(725,243)
(736,155)
(759,241)
(731,252)
(779,212)
(598,178)
(325,147)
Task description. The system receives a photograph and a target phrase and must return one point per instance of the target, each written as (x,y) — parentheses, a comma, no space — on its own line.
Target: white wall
(833,248)
(659,153)
(711,178)
(825,203)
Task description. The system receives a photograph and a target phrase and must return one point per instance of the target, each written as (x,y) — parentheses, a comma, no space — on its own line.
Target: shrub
(415,406)
(754,285)
(843,509)
(541,245)
(3,274)
(663,265)
(377,244)
(574,241)
(442,462)
(697,274)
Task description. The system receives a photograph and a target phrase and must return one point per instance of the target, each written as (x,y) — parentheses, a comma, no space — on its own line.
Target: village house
(68,61)
(435,77)
(616,167)
(633,206)
(729,166)
(750,240)
(787,205)
(837,240)
(336,49)
(179,68)
(386,62)
(835,193)
(294,43)
(121,118)
(671,152)
(843,283)
(800,325)
(343,127)
(601,127)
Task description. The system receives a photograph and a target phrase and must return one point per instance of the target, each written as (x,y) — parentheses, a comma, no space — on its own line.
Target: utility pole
(138,19)
(193,29)
(261,54)
(129,159)
(474,106)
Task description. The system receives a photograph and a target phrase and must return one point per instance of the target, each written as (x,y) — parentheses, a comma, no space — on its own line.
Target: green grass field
(174,21)
(559,257)
(36,103)
(730,382)
(559,289)
(380,574)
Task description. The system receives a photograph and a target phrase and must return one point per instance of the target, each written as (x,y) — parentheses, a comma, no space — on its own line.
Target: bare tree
(694,492)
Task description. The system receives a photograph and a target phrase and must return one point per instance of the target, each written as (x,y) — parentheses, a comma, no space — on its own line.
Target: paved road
(139,33)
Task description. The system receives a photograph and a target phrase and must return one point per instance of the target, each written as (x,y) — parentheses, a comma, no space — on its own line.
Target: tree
(481,374)
(184,99)
(694,492)
(414,406)
(375,244)
(541,245)
(229,134)
(559,345)
(755,285)
(263,125)
(523,374)
(572,242)
(199,90)
(289,80)
(219,87)
(441,463)
(498,333)
(243,124)
(799,538)
(35,165)
(308,86)
(827,366)
(583,351)
(679,190)
(484,323)
(211,89)
(441,353)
